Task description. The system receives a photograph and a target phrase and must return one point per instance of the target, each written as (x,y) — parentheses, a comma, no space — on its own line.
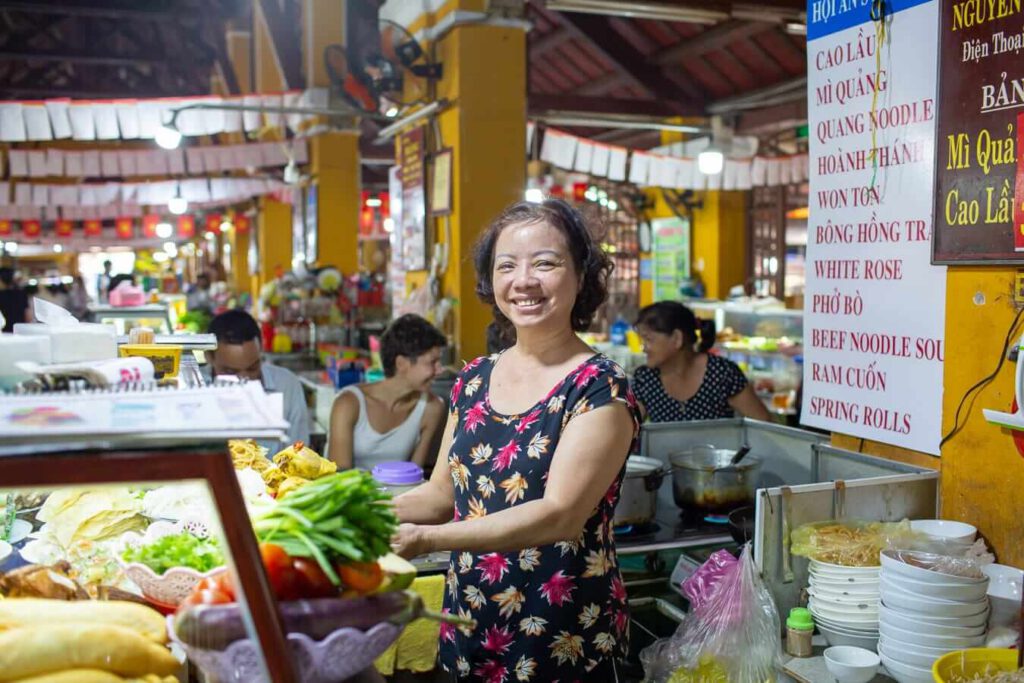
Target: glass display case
(765,340)
(125,319)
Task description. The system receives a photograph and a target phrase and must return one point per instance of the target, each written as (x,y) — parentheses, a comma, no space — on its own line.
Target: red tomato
(283,577)
(362,577)
(313,582)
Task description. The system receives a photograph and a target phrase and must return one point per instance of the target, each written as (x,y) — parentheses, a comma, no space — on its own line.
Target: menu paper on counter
(874,311)
(979,189)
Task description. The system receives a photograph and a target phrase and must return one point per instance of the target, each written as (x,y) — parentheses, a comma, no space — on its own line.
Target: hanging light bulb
(168,136)
(711,161)
(177,205)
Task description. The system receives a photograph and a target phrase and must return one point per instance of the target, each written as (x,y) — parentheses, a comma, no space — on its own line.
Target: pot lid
(710,458)
(639,466)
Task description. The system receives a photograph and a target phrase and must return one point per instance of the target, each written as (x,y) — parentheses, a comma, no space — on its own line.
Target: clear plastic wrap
(852,543)
(698,587)
(733,636)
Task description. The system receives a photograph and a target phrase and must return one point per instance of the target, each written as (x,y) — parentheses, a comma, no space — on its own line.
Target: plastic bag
(733,636)
(697,588)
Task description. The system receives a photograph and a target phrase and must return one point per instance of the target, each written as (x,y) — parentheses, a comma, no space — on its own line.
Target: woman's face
(658,346)
(535,280)
(422,371)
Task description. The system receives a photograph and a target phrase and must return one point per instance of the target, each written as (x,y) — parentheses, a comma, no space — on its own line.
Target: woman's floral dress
(549,613)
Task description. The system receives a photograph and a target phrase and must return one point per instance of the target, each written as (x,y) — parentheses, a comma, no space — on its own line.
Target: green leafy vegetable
(343,517)
(178,550)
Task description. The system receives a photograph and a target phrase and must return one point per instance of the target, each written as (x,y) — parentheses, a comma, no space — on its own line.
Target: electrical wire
(981,384)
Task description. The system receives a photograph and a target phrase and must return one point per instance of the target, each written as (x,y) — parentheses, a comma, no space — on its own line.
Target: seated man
(238,353)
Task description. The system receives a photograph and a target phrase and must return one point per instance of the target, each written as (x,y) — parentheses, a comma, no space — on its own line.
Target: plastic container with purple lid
(397,477)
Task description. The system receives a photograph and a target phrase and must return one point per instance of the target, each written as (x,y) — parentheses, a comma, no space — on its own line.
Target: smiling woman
(536,444)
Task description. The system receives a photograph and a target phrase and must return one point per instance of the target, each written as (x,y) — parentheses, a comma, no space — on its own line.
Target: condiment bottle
(799,630)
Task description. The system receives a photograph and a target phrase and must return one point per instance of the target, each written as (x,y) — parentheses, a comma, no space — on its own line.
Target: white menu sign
(874,306)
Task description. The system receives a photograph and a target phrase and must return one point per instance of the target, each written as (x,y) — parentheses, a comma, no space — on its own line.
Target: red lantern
(31,228)
(366,219)
(5,227)
(93,228)
(556,192)
(385,204)
(124,228)
(241,224)
(187,226)
(213,221)
(63,228)
(579,191)
(149,223)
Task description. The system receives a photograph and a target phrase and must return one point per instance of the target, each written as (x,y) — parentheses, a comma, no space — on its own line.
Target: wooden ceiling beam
(540,103)
(711,39)
(602,85)
(603,38)
(540,47)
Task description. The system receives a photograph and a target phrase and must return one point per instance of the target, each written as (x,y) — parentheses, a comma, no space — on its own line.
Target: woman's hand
(410,541)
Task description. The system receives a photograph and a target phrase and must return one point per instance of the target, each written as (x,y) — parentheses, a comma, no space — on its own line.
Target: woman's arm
(433,418)
(747,403)
(344,414)
(432,502)
(590,453)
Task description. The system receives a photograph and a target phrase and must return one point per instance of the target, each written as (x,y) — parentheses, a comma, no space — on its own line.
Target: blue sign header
(825,17)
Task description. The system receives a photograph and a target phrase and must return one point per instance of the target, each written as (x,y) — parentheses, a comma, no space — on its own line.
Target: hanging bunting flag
(241,224)
(186,226)
(93,227)
(31,228)
(149,222)
(5,227)
(63,228)
(124,227)
(213,221)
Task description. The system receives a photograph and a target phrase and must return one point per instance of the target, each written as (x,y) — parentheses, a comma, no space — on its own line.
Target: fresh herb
(339,518)
(178,550)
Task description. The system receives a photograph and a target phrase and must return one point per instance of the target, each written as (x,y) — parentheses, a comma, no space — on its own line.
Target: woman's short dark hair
(410,336)
(592,265)
(668,316)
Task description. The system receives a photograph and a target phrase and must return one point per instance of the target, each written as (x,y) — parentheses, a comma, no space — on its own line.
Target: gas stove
(671,531)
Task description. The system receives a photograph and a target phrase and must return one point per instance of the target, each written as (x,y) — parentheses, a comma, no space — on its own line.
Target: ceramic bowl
(851,664)
(926,606)
(169,588)
(844,615)
(1004,589)
(837,639)
(914,565)
(904,656)
(945,530)
(905,673)
(913,618)
(838,570)
(900,635)
(954,592)
(853,628)
(916,626)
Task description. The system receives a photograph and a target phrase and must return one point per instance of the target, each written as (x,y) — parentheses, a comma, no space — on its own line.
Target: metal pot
(704,482)
(638,499)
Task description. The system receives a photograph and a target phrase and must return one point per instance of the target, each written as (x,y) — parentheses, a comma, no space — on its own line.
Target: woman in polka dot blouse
(681,380)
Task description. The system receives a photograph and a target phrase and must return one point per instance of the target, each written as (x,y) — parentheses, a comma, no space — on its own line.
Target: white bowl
(945,530)
(922,650)
(922,604)
(844,614)
(845,587)
(928,620)
(840,570)
(851,664)
(850,628)
(927,640)
(1004,589)
(904,656)
(5,550)
(837,639)
(904,673)
(823,575)
(915,626)
(840,600)
(896,562)
(955,592)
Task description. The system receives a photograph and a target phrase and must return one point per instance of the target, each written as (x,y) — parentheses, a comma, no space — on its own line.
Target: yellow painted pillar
(323,23)
(274,235)
(719,241)
(486,127)
(269,77)
(335,164)
(241,278)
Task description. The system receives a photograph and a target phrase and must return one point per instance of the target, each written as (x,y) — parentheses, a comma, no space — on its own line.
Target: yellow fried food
(298,460)
(289,485)
(273,477)
(247,453)
(16,613)
(36,650)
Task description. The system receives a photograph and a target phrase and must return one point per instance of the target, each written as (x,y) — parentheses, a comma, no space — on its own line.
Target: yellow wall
(323,22)
(719,241)
(274,232)
(335,164)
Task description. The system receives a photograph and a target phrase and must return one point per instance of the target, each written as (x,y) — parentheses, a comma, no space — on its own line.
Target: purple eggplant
(214,627)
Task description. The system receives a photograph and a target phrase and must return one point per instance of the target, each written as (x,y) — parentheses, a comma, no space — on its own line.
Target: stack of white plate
(844,602)
(925,614)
